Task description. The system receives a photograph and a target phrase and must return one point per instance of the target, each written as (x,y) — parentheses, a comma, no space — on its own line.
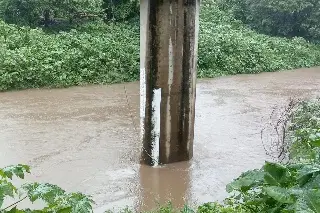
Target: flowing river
(87,138)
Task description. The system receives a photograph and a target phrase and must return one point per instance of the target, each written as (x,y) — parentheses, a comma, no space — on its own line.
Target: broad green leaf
(313,183)
(281,195)
(2,174)
(246,181)
(80,203)
(15,210)
(312,199)
(7,189)
(46,192)
(315,139)
(18,170)
(307,171)
(275,174)
(65,210)
(1,200)
(316,143)
(305,179)
(8,173)
(275,209)
(300,207)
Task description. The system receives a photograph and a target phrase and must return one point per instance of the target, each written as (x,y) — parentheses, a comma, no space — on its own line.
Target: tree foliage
(33,13)
(226,46)
(61,13)
(289,18)
(121,10)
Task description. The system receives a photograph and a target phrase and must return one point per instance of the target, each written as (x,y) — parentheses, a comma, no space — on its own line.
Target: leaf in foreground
(281,195)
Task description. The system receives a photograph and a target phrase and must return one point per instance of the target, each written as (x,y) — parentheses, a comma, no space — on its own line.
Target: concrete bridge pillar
(168,61)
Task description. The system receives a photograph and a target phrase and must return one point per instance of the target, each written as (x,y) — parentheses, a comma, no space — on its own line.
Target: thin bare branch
(15,203)
(277,148)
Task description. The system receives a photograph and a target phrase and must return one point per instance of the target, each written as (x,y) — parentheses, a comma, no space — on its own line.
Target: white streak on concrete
(142,101)
(155,119)
(144,20)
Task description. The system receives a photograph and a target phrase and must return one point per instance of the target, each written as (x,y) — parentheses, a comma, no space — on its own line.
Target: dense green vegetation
(64,43)
(228,47)
(288,187)
(305,133)
(289,18)
(101,54)
(45,12)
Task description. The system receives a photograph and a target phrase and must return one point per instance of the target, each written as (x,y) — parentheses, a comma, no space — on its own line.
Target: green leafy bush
(304,132)
(278,188)
(30,58)
(55,198)
(228,47)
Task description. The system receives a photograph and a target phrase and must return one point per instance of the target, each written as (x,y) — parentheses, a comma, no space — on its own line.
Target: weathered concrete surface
(83,138)
(168,60)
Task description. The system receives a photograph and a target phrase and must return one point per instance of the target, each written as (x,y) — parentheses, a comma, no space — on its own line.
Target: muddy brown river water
(87,138)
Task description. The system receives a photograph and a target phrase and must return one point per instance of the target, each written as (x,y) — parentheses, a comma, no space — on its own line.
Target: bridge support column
(168,61)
